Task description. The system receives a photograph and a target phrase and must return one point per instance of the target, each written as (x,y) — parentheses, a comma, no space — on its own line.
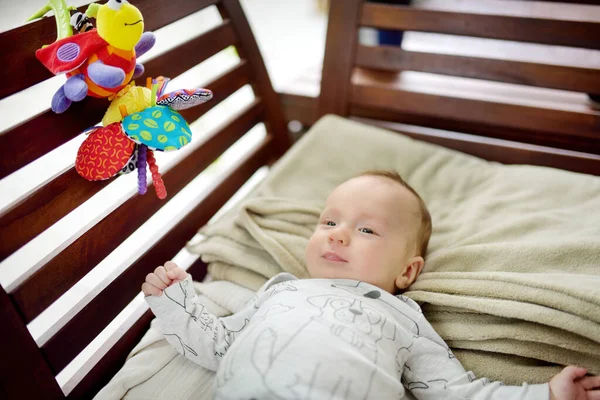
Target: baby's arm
(432,372)
(184,320)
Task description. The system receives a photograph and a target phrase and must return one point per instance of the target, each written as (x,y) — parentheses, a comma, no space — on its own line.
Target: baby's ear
(410,273)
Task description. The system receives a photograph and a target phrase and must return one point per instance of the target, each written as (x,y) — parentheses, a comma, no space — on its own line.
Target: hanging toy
(138,121)
(98,62)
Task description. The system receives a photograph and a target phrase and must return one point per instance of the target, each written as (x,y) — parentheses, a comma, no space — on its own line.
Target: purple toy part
(138,71)
(185,98)
(105,75)
(141,166)
(75,88)
(68,52)
(60,102)
(145,43)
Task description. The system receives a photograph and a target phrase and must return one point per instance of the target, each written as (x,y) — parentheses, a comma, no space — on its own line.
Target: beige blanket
(514,263)
(512,277)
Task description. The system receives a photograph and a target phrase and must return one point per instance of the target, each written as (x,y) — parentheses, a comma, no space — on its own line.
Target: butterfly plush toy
(139,121)
(98,62)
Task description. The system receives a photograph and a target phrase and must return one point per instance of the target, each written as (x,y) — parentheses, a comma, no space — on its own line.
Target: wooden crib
(358,81)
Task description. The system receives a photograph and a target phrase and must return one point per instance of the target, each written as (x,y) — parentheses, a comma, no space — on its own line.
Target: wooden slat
(339,57)
(389,58)
(299,108)
(22,360)
(64,270)
(521,29)
(222,87)
(503,151)
(88,323)
(36,137)
(20,67)
(378,90)
(540,137)
(45,132)
(192,52)
(112,361)
(42,208)
(248,49)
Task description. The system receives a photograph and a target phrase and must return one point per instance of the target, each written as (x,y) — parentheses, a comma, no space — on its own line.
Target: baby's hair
(426,226)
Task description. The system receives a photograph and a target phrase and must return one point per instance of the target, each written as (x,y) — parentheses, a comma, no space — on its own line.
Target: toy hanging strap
(159,185)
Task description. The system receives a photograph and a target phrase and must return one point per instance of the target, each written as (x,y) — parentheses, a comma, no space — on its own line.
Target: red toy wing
(69,53)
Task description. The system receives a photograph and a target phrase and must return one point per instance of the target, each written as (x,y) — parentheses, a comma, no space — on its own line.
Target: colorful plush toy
(138,121)
(98,62)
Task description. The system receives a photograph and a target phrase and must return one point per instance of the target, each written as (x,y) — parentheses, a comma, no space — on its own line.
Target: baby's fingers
(169,265)
(161,273)
(155,281)
(177,274)
(593,394)
(150,290)
(591,382)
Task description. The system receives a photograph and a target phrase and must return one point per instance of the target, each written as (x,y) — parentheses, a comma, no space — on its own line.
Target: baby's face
(366,232)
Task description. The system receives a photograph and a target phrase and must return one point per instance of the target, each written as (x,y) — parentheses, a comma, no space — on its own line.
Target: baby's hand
(572,384)
(162,278)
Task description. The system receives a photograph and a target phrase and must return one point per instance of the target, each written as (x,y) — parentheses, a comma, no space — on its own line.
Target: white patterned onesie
(322,339)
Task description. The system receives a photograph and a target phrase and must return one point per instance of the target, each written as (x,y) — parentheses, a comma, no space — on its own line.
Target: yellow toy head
(120,24)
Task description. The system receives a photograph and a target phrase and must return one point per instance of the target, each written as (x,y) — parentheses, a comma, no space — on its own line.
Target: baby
(343,333)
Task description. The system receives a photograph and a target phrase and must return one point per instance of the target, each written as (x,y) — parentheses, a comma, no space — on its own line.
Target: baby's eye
(366,230)
(330,223)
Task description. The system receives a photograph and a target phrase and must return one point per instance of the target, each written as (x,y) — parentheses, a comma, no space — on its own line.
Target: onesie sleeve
(431,371)
(193,331)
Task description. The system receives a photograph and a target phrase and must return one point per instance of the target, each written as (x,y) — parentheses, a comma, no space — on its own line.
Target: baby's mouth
(331,256)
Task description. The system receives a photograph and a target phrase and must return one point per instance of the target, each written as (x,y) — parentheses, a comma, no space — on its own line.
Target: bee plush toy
(101,63)
(98,62)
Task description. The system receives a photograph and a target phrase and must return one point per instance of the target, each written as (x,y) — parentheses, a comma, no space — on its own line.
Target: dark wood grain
(20,67)
(45,132)
(248,49)
(340,48)
(376,89)
(521,29)
(390,58)
(90,321)
(45,206)
(191,53)
(112,361)
(300,108)
(25,374)
(64,270)
(503,151)
(483,130)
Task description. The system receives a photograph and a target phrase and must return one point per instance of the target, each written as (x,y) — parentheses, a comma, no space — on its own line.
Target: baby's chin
(318,272)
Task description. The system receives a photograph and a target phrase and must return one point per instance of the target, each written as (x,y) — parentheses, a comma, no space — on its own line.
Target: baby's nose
(355,312)
(339,237)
